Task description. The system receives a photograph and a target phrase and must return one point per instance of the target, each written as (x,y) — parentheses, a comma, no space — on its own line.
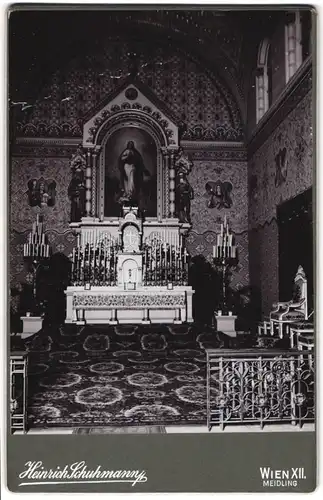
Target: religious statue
(78,160)
(76,188)
(182,162)
(132,171)
(184,191)
(184,195)
(219,194)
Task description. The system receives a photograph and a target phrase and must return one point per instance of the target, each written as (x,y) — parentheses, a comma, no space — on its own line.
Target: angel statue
(182,163)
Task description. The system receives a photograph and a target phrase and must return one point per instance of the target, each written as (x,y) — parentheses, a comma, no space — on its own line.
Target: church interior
(161,219)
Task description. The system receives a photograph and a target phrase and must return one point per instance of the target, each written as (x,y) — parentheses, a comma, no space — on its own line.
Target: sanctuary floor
(122,375)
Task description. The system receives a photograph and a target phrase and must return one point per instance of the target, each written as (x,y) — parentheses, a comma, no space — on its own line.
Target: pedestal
(226,324)
(31,325)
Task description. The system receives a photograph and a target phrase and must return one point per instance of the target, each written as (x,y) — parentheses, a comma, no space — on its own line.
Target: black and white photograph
(161,220)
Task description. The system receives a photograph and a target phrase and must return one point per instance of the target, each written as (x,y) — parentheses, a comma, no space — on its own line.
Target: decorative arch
(130,108)
(119,122)
(263,53)
(129,118)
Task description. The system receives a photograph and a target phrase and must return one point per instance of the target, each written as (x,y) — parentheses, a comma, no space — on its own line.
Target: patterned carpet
(119,375)
(152,429)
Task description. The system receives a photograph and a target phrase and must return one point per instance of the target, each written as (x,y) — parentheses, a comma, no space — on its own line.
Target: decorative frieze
(129,300)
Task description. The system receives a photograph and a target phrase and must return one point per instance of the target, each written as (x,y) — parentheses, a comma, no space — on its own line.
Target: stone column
(88,183)
(94,178)
(171,164)
(165,182)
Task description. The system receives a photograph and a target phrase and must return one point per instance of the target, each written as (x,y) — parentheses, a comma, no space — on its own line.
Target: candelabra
(165,264)
(95,264)
(36,253)
(224,257)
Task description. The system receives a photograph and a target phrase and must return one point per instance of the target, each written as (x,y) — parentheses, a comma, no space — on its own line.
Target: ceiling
(40,41)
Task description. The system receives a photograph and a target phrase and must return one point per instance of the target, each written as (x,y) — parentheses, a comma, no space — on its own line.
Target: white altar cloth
(114,304)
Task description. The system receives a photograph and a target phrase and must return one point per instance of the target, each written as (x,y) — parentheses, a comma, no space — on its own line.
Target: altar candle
(213,252)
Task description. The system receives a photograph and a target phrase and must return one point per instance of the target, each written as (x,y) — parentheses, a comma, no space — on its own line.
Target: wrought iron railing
(259,386)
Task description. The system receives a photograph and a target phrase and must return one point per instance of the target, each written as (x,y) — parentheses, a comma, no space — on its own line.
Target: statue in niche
(132,172)
(219,194)
(184,191)
(76,188)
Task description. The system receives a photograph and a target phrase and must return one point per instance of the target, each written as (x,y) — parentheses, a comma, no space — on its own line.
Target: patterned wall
(206,222)
(24,169)
(22,215)
(276,176)
(197,99)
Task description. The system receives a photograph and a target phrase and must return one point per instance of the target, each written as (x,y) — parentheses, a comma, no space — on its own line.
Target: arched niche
(105,136)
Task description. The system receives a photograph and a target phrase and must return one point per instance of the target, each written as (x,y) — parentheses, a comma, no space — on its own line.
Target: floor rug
(154,429)
(124,375)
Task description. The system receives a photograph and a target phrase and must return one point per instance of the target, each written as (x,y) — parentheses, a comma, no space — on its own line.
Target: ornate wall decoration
(116,108)
(129,300)
(219,194)
(44,148)
(41,192)
(281,167)
(22,214)
(220,154)
(253,186)
(19,276)
(219,133)
(195,97)
(294,136)
(293,140)
(202,244)
(236,208)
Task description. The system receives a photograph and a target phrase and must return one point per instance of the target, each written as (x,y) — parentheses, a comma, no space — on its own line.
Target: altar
(125,279)
(130,208)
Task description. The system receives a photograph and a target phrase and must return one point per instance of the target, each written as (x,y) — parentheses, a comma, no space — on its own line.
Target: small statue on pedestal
(76,188)
(184,195)
(184,191)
